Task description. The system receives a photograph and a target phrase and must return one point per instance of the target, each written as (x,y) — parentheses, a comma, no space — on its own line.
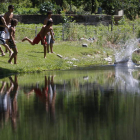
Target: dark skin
(8,16)
(12,37)
(5,25)
(45,23)
(44,30)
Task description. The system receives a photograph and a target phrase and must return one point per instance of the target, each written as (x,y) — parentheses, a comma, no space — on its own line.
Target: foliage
(131,9)
(48,6)
(66,18)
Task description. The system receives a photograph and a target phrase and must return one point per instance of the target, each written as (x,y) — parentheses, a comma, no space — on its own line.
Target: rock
(85,77)
(59,55)
(108,59)
(74,59)
(69,62)
(84,45)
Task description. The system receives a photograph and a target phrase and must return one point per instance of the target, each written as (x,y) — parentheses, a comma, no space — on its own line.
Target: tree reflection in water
(99,105)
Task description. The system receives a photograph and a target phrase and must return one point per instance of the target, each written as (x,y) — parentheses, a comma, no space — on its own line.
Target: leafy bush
(48,6)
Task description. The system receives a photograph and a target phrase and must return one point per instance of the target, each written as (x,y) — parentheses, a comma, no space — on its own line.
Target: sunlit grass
(30,58)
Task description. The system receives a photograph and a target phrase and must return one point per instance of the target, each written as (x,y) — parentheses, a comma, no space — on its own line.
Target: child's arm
(4,23)
(11,31)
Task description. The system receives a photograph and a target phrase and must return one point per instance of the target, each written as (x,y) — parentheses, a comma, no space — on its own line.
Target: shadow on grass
(32,55)
(36,52)
(6,72)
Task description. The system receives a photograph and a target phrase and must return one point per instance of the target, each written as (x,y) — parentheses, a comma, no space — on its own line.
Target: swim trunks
(7,34)
(2,37)
(49,39)
(11,44)
(37,39)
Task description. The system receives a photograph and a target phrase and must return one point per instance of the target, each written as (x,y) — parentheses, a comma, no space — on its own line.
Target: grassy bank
(30,58)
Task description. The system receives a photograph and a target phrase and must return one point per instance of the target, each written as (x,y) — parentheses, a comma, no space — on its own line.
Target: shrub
(48,6)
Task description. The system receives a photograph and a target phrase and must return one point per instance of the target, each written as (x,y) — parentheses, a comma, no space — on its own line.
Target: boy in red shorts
(42,36)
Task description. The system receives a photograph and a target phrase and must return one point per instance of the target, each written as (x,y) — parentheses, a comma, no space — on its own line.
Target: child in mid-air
(11,41)
(41,36)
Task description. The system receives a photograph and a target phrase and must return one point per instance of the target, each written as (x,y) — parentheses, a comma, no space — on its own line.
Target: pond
(100,103)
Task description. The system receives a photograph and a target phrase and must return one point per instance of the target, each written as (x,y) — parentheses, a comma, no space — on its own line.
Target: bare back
(8,16)
(46,20)
(45,29)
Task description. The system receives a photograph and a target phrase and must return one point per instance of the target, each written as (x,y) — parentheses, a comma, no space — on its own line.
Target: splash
(124,53)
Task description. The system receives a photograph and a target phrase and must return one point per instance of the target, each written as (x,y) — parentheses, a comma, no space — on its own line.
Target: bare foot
(3,54)
(6,51)
(10,62)
(24,39)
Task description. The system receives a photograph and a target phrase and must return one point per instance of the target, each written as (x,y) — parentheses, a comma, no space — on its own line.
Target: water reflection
(46,94)
(8,102)
(88,105)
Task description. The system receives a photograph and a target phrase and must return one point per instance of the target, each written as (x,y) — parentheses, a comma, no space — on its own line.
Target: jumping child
(11,42)
(41,36)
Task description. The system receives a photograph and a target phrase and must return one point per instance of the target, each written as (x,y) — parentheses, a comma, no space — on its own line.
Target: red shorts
(37,39)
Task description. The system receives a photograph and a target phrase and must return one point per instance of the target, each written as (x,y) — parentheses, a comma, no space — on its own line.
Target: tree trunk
(92,8)
(59,2)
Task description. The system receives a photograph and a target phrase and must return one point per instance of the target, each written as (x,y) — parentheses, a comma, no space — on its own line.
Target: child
(11,42)
(8,16)
(2,34)
(41,36)
(48,36)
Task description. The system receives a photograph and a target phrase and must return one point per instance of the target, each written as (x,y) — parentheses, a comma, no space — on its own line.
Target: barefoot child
(49,40)
(41,36)
(8,16)
(2,35)
(11,42)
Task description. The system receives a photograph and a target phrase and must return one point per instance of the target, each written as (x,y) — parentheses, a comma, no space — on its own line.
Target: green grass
(30,58)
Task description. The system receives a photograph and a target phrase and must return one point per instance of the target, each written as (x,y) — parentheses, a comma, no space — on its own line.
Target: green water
(71,105)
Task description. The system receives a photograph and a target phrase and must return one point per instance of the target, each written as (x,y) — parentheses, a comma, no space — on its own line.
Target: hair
(49,22)
(13,21)
(49,12)
(10,7)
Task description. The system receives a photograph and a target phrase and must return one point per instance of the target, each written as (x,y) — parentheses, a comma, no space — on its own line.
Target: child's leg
(6,46)
(29,40)
(6,50)
(45,47)
(2,52)
(48,48)
(51,47)
(14,55)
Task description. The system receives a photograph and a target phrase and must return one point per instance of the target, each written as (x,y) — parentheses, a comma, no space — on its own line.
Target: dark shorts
(2,37)
(37,39)
(11,44)
(49,39)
